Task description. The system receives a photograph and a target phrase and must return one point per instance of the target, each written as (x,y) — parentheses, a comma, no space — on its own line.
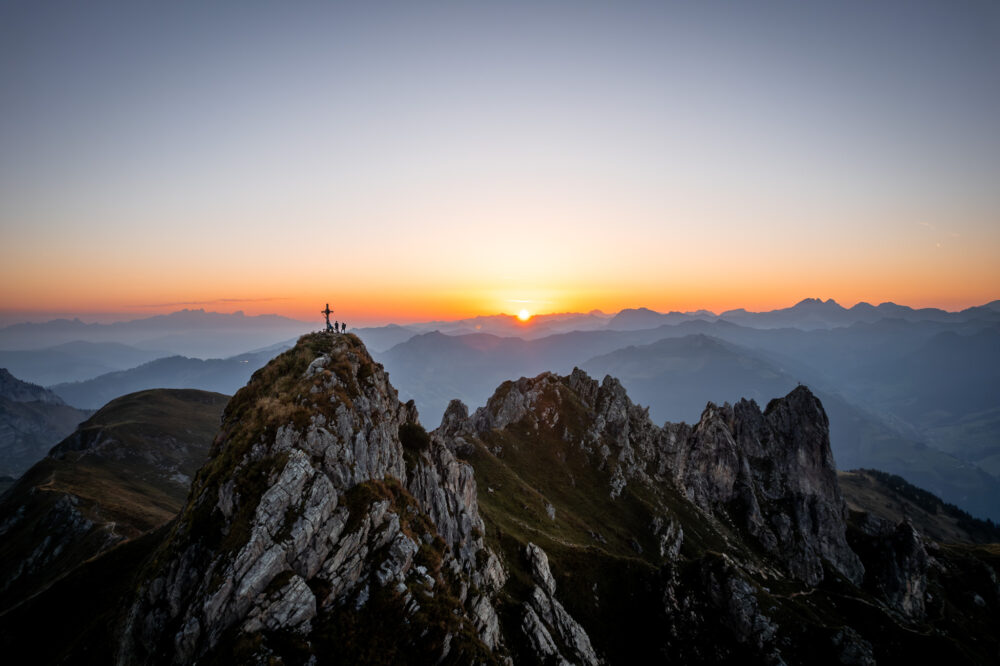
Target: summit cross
(327,312)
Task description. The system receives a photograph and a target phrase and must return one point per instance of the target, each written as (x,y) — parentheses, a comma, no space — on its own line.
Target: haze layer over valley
(910,391)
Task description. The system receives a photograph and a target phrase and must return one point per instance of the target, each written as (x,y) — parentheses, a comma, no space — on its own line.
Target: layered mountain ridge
(556,524)
(32,420)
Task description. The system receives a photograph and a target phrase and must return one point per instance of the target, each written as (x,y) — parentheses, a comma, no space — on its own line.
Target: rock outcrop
(770,473)
(896,563)
(311,507)
(551,631)
(773,474)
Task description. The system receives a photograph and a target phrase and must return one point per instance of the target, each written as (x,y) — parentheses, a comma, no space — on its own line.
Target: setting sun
(524,315)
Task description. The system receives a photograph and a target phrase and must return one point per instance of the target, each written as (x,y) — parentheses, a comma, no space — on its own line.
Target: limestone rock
(545,620)
(297,514)
(773,474)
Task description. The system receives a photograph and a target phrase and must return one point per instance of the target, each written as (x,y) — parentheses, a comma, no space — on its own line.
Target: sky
(413,161)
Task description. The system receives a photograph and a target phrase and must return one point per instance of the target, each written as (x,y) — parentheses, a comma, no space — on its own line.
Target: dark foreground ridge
(124,471)
(556,524)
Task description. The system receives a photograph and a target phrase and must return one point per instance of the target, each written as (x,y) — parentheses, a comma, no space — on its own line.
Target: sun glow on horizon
(524,315)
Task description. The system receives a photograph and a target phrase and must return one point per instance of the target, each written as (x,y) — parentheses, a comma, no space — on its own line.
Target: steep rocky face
(770,473)
(773,474)
(896,563)
(546,624)
(604,421)
(312,510)
(738,522)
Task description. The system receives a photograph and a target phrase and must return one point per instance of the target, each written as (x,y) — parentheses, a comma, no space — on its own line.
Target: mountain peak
(815,302)
(16,390)
(322,487)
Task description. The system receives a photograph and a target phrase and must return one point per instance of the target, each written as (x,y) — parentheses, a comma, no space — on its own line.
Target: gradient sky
(425,160)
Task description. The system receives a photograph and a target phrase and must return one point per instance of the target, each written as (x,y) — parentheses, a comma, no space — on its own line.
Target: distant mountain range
(187,332)
(914,391)
(864,373)
(219,375)
(74,361)
(808,314)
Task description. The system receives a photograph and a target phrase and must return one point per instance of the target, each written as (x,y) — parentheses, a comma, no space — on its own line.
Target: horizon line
(108,318)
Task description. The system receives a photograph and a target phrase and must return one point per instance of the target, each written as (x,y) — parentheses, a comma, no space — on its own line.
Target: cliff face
(556,524)
(311,510)
(726,540)
(771,474)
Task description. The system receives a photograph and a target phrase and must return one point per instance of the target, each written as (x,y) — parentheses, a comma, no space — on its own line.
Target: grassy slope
(127,481)
(893,499)
(120,468)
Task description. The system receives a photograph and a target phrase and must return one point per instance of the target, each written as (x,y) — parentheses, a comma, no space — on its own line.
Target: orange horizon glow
(434,272)
(368,309)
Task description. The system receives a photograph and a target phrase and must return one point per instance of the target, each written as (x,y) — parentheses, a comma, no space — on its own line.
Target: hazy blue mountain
(808,314)
(974,437)
(676,377)
(948,389)
(74,361)
(381,338)
(32,421)
(948,377)
(218,375)
(433,368)
(632,319)
(193,333)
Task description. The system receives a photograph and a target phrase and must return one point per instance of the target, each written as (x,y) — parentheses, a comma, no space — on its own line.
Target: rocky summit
(557,524)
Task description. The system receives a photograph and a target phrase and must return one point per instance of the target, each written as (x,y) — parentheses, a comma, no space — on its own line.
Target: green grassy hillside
(125,471)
